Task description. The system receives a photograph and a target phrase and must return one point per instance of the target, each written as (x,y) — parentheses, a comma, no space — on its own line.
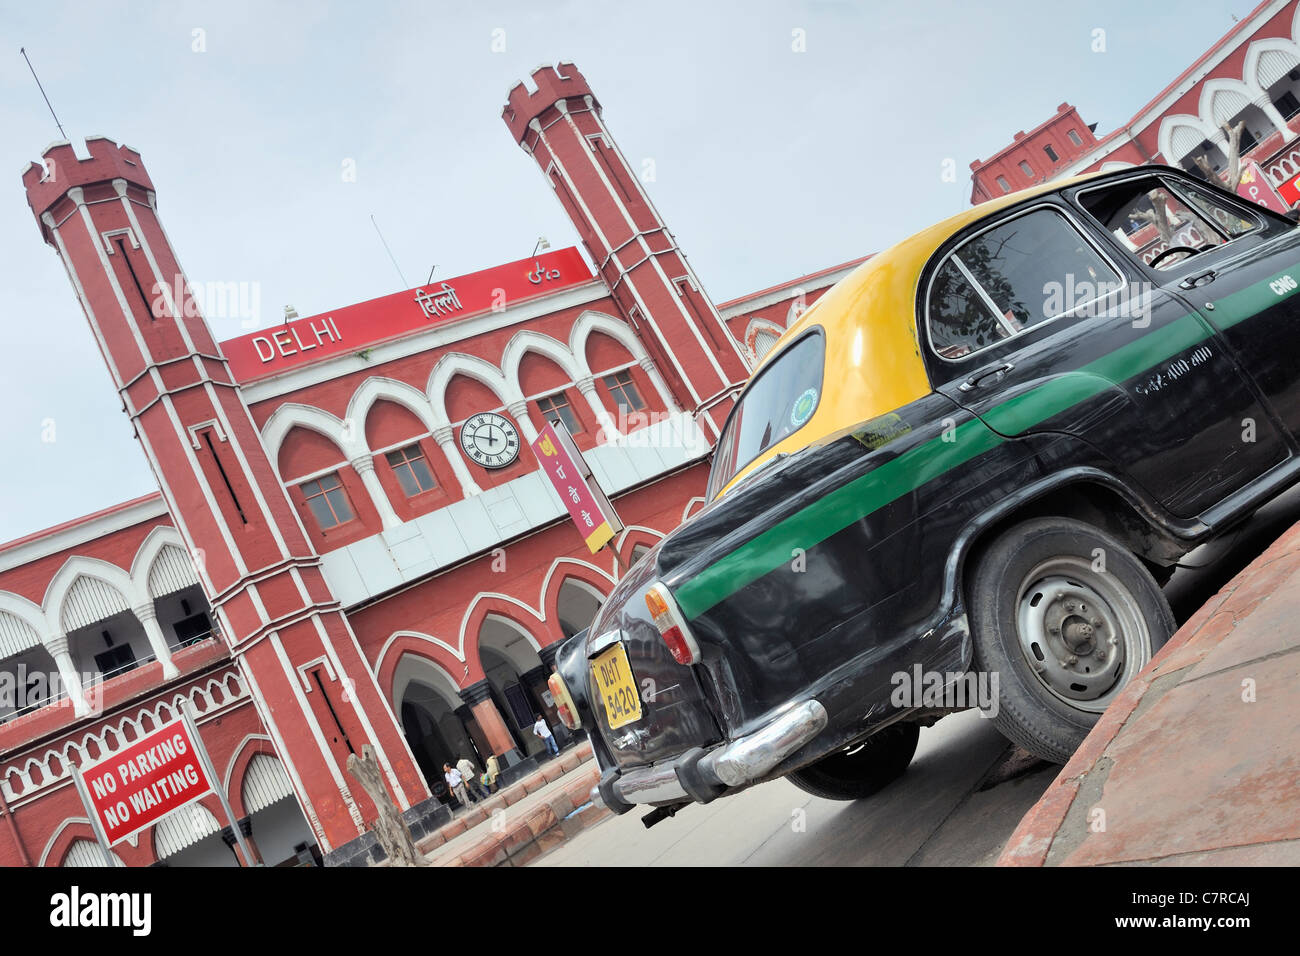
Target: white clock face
(490,440)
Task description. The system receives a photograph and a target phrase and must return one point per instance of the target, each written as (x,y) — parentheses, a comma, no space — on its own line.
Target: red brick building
(1251,75)
(332,560)
(1033,157)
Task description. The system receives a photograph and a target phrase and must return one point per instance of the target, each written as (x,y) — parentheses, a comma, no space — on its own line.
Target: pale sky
(769,163)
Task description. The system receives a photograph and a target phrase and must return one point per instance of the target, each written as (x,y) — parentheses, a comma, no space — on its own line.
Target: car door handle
(1193,282)
(978,378)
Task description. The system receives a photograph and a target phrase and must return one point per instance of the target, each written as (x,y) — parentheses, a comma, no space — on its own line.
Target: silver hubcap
(1081,631)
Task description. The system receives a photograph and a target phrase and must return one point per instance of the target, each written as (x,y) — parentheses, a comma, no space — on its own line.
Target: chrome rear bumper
(734,764)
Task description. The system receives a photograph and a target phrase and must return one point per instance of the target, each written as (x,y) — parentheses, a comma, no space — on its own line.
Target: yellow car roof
(873,358)
(904,260)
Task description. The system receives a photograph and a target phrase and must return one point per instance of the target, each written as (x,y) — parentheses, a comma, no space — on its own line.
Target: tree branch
(1234,155)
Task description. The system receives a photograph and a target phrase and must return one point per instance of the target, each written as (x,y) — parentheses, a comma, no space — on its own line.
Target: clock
(490,440)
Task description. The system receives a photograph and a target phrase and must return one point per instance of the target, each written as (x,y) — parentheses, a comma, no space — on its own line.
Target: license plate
(617,686)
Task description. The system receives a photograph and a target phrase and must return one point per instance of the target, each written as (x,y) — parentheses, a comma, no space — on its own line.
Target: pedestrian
(541,730)
(455,784)
(491,772)
(469,773)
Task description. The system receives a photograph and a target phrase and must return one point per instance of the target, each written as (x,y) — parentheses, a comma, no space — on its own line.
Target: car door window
(1232,222)
(1164,227)
(1022,272)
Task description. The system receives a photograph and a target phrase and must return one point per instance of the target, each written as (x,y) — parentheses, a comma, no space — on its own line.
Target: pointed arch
(22,624)
(590,578)
(451,661)
(97,584)
(1268,60)
(349,439)
(1181,134)
(65,834)
(412,664)
(399,393)
(511,610)
(265,783)
(769,332)
(1222,99)
(518,627)
(521,343)
(184,827)
(471,366)
(589,322)
(152,560)
(636,536)
(237,768)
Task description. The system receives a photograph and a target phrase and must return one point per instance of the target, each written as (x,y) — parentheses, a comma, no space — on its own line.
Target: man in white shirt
(455,783)
(540,729)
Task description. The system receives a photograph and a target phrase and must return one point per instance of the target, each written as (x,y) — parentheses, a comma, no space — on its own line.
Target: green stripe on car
(902,475)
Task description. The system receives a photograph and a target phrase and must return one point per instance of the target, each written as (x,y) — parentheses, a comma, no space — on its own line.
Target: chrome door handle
(1193,282)
(975,380)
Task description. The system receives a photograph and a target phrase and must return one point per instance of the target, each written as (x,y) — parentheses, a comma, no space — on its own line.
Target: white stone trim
(269,780)
(183,828)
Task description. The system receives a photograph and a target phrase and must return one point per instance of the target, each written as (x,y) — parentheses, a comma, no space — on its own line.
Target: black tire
(1061,636)
(863,769)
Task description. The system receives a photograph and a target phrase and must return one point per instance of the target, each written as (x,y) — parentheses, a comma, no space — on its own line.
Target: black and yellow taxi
(959,479)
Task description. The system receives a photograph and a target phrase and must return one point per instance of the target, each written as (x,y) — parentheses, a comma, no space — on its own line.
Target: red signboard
(1256,187)
(136,787)
(567,471)
(300,342)
(1289,190)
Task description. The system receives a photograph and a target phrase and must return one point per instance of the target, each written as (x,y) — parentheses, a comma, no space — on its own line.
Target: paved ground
(934,814)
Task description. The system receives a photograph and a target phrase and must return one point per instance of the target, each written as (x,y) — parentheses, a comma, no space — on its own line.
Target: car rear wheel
(1063,616)
(862,769)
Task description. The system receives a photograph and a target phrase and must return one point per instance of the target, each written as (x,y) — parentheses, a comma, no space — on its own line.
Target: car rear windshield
(777,403)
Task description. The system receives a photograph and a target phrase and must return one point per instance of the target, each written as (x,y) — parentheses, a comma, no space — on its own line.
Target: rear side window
(776,404)
(1010,278)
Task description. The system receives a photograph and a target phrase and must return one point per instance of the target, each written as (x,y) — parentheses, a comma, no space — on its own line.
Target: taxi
(958,480)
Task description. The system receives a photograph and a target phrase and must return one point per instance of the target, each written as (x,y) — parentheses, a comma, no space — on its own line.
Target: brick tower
(560,125)
(287,633)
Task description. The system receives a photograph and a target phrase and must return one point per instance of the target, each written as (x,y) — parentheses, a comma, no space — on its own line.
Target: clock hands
(489,441)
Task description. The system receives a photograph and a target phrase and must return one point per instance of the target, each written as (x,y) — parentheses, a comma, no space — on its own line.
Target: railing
(28,707)
(103,677)
(212,634)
